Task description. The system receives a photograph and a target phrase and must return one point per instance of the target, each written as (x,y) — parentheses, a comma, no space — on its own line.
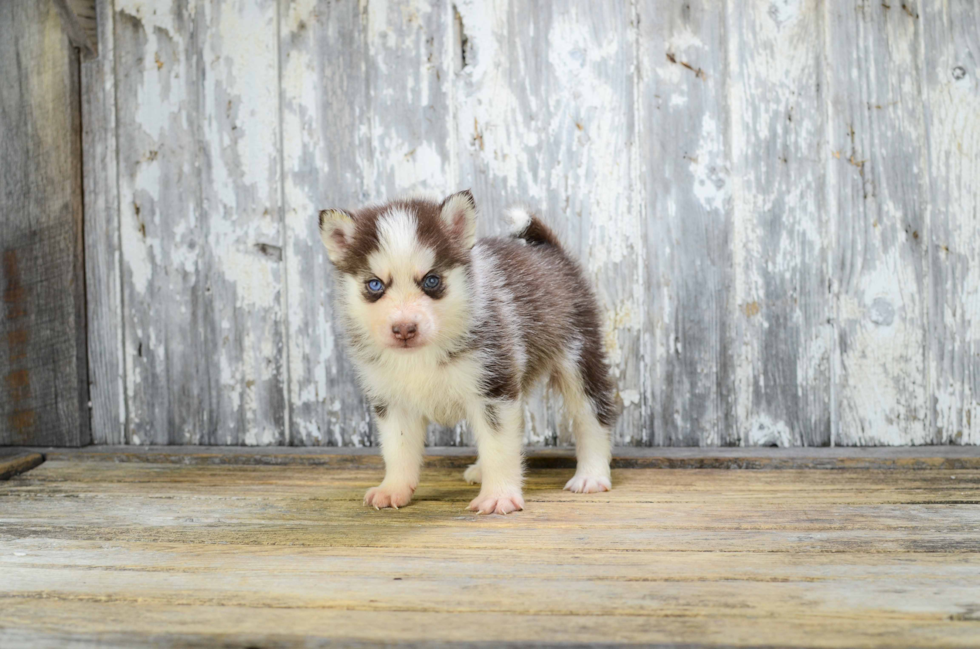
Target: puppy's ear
(459,215)
(336,231)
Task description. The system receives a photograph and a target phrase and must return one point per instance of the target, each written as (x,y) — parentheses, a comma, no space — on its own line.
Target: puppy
(443,327)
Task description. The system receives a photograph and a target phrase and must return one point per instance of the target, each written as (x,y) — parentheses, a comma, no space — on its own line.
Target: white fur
(421,386)
(402,435)
(336,226)
(500,459)
(459,214)
(396,236)
(593,442)
(519,218)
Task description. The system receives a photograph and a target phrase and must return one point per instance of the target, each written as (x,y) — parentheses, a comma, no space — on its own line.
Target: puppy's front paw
(473,474)
(497,502)
(388,496)
(588,483)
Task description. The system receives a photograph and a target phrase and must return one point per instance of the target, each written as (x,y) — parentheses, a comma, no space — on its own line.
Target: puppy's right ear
(336,231)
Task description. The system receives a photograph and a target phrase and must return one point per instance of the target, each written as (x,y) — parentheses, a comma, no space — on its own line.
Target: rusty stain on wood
(698,72)
(18,385)
(21,423)
(14,294)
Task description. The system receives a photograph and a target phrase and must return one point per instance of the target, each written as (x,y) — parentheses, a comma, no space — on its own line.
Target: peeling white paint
(709,166)
(630,397)
(762,430)
(554,108)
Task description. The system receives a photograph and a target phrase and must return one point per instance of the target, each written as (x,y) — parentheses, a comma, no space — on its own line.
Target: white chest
(443,393)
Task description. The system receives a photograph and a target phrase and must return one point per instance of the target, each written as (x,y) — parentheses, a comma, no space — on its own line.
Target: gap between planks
(901,457)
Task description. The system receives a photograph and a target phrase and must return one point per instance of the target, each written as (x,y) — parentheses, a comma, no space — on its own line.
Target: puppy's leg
(499,431)
(473,474)
(402,442)
(593,441)
(593,451)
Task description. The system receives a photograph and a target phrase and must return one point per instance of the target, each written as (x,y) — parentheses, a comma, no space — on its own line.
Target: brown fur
(549,286)
(431,231)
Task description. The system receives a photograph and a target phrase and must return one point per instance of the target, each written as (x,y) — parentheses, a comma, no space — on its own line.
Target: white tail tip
(519,219)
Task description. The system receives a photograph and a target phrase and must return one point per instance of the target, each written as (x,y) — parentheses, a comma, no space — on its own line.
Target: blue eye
(375,285)
(431,282)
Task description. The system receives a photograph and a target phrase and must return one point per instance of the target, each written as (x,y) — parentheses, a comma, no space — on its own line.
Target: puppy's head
(403,268)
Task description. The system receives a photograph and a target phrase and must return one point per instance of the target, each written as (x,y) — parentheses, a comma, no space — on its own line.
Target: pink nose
(404,330)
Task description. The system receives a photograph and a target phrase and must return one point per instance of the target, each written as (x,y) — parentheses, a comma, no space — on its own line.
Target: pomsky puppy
(442,326)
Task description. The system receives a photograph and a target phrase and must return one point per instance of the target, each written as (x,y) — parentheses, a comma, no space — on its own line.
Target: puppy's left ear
(336,232)
(459,215)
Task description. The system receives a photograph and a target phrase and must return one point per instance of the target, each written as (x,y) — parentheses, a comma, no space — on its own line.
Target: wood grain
(171,554)
(545,118)
(103,288)
(366,117)
(782,306)
(200,221)
(43,373)
(951,93)
(454,457)
(685,156)
(877,191)
(772,200)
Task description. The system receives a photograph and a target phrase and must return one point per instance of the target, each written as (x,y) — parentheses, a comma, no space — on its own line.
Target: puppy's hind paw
(588,484)
(386,496)
(473,474)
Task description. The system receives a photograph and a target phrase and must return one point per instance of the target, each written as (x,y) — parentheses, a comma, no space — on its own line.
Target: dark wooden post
(43,368)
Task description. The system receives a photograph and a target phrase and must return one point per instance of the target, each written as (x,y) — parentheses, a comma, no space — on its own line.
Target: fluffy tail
(531,229)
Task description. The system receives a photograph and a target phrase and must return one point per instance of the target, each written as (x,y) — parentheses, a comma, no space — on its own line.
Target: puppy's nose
(404,330)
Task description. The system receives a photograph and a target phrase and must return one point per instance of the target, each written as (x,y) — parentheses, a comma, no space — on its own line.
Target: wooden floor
(128,553)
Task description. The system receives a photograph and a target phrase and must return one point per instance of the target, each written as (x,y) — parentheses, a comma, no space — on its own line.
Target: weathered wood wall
(43,373)
(779,204)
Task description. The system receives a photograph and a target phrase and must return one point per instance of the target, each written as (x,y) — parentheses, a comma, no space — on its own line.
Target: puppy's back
(557,309)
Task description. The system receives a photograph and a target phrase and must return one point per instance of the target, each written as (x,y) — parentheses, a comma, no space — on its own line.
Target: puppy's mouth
(412,343)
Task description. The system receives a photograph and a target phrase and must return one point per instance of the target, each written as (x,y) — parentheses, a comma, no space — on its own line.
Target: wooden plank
(240,190)
(878,458)
(102,260)
(545,117)
(42,320)
(745,566)
(113,624)
(647,594)
(325,139)
(685,158)
(810,558)
(951,92)
(877,192)
(909,503)
(782,306)
(366,116)
(158,108)
(638,485)
(17,463)
(198,136)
